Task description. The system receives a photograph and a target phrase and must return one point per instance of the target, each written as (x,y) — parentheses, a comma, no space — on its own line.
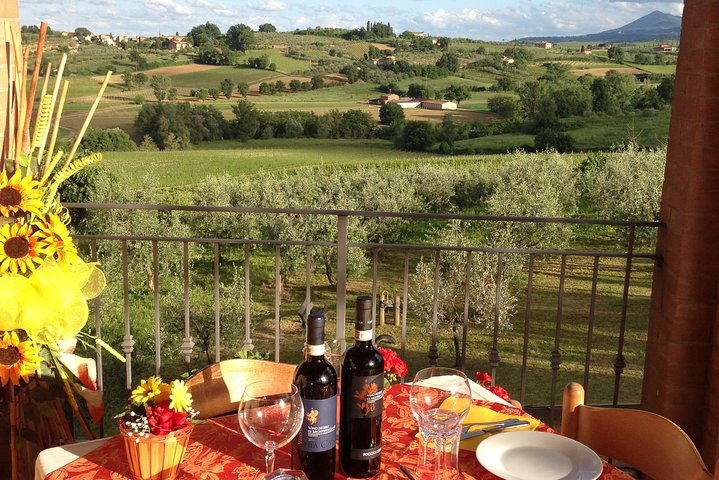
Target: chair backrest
(217,389)
(648,442)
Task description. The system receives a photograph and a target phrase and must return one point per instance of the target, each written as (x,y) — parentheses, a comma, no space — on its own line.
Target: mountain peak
(656,25)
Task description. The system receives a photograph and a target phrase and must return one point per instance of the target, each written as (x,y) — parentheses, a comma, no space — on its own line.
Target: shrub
(550,139)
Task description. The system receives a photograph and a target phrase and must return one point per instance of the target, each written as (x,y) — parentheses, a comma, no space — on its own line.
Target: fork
(492,427)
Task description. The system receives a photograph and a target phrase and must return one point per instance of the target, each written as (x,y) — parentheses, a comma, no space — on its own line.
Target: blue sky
(477,19)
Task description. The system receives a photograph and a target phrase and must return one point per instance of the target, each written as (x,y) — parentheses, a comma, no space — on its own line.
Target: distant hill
(653,26)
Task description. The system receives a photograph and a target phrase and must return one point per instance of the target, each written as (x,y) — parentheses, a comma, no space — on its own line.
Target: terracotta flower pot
(156,457)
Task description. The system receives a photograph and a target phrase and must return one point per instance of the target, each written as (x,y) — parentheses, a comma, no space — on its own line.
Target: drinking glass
(440,399)
(270,415)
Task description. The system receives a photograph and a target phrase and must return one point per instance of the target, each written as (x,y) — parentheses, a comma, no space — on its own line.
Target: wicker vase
(156,457)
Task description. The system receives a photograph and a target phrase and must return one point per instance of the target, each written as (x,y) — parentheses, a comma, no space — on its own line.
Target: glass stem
(270,460)
(438,455)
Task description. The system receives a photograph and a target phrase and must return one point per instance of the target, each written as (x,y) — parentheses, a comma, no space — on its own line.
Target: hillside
(653,26)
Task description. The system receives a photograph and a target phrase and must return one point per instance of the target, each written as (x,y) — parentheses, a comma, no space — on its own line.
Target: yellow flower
(17,359)
(57,237)
(20,248)
(180,398)
(19,195)
(147,390)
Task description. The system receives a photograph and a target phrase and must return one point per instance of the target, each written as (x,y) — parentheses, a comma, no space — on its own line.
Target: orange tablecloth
(219,451)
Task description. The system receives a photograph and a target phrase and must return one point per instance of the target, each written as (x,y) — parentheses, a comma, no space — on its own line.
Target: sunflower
(21,249)
(57,237)
(17,359)
(180,398)
(148,390)
(19,195)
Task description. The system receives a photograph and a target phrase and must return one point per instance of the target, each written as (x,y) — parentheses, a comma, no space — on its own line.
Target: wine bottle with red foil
(314,447)
(361,393)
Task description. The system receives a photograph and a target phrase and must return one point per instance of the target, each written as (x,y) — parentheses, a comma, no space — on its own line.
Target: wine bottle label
(363,335)
(319,426)
(365,453)
(315,350)
(367,394)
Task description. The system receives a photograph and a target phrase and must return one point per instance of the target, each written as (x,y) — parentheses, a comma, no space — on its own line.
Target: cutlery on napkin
(482,419)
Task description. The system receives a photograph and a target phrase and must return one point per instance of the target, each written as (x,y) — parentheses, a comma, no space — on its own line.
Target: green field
(212,77)
(172,169)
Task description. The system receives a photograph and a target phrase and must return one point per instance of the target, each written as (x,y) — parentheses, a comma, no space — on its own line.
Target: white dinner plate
(529,455)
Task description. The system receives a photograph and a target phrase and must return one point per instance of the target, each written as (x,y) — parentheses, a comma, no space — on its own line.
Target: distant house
(388,60)
(176,46)
(604,45)
(409,103)
(419,34)
(438,104)
(384,99)
(105,40)
(664,47)
(543,44)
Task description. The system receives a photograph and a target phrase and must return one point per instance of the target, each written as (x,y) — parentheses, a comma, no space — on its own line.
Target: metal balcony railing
(590,265)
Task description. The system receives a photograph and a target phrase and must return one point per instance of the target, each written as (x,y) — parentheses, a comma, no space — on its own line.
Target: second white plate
(529,455)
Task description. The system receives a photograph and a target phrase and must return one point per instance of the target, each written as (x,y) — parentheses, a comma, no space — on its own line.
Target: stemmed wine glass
(440,399)
(270,415)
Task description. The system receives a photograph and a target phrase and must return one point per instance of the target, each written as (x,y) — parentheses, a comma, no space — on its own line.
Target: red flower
(499,391)
(163,419)
(483,378)
(393,365)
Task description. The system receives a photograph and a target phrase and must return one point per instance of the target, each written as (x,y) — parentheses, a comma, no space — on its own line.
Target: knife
(496,427)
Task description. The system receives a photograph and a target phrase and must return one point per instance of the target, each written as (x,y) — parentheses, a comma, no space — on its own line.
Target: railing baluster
(493,354)
(98,334)
(156,305)
(342,247)
(556,357)
(216,288)
(187,343)
(433,355)
(527,320)
(247,345)
(127,341)
(278,298)
(375,255)
(465,316)
(308,282)
(590,326)
(619,361)
(98,322)
(405,297)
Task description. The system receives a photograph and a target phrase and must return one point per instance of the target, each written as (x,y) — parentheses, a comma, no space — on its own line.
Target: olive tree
(482,286)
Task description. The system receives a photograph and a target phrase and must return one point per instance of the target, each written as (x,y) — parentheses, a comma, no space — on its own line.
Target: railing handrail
(364,213)
(388,246)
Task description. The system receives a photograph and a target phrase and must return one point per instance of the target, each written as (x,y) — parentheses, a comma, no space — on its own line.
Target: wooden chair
(648,442)
(217,389)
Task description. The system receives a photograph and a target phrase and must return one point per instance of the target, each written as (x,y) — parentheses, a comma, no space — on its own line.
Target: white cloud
(270,5)
(439,18)
(168,6)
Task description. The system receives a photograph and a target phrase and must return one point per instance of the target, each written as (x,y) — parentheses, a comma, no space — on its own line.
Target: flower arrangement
(157,408)
(44,284)
(485,380)
(394,367)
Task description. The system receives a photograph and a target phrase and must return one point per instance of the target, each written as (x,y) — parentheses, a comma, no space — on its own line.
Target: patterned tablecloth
(219,451)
